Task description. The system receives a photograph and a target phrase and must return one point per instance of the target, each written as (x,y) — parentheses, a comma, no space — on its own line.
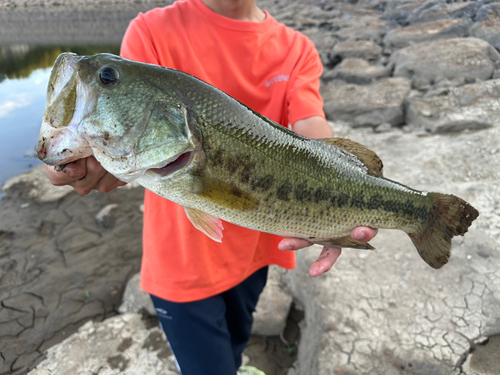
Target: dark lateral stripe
(338,199)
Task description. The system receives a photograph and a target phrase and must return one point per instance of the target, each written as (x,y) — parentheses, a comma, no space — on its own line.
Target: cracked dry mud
(60,266)
(386,312)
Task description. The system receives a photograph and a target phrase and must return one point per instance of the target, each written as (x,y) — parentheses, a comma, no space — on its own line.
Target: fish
(193,144)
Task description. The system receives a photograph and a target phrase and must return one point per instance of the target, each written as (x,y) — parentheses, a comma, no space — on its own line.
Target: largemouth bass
(191,143)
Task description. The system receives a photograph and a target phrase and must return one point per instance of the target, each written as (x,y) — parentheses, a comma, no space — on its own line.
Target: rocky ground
(416,81)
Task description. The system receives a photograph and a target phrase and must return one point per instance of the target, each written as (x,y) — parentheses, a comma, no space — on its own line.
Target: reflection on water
(24,73)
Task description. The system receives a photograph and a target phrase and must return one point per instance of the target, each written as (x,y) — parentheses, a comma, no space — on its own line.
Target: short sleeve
(304,99)
(138,42)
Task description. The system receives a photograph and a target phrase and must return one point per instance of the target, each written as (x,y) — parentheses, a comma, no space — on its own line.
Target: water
(22,102)
(24,74)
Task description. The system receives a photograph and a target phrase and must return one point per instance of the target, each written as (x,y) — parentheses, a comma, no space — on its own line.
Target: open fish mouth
(173,165)
(59,142)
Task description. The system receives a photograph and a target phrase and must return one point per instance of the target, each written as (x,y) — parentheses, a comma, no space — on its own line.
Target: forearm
(313,127)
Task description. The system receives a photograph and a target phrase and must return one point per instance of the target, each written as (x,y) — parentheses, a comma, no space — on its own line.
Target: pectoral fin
(206,223)
(370,159)
(346,241)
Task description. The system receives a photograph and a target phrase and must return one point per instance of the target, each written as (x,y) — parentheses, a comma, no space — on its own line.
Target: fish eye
(108,76)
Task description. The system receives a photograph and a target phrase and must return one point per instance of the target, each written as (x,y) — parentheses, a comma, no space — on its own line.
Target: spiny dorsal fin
(226,195)
(206,223)
(366,156)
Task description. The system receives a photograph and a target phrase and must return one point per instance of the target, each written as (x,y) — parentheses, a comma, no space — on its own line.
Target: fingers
(71,173)
(328,255)
(107,183)
(325,261)
(363,234)
(84,175)
(91,179)
(293,244)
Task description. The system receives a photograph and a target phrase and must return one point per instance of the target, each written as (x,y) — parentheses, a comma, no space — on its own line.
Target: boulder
(324,43)
(425,63)
(356,71)
(360,49)
(487,25)
(136,300)
(125,344)
(484,359)
(407,12)
(426,32)
(474,106)
(386,311)
(365,28)
(370,105)
(273,306)
(436,10)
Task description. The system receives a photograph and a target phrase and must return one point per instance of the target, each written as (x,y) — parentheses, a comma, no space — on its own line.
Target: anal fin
(205,223)
(346,241)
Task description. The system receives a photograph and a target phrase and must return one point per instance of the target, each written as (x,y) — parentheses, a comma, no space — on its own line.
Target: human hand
(329,255)
(84,175)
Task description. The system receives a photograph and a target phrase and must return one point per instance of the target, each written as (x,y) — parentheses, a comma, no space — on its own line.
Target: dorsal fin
(366,156)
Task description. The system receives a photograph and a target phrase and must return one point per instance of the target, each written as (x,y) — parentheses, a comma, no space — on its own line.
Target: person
(204,291)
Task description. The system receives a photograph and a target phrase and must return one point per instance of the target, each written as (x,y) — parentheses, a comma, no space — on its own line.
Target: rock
(387,312)
(436,10)
(399,11)
(372,105)
(475,106)
(360,49)
(40,188)
(468,58)
(366,28)
(407,12)
(484,359)
(487,25)
(273,306)
(356,71)
(134,299)
(383,128)
(426,32)
(324,43)
(125,344)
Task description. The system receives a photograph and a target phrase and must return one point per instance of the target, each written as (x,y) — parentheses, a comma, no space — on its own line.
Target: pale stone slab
(425,63)
(475,106)
(361,49)
(367,105)
(487,25)
(426,32)
(357,71)
(124,344)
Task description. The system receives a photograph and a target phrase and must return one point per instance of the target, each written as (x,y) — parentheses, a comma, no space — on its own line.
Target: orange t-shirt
(269,67)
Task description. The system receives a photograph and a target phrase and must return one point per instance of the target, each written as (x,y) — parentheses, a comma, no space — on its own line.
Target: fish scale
(191,143)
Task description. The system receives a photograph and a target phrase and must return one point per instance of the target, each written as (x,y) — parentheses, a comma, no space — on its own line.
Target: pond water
(24,74)
(22,102)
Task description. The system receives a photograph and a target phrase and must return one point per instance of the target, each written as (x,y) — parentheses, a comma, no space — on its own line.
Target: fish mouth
(174,165)
(59,142)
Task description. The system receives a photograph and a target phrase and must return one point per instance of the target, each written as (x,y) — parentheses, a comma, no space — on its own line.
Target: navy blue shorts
(208,336)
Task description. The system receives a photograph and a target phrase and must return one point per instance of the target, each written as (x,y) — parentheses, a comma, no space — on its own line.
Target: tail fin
(450,216)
